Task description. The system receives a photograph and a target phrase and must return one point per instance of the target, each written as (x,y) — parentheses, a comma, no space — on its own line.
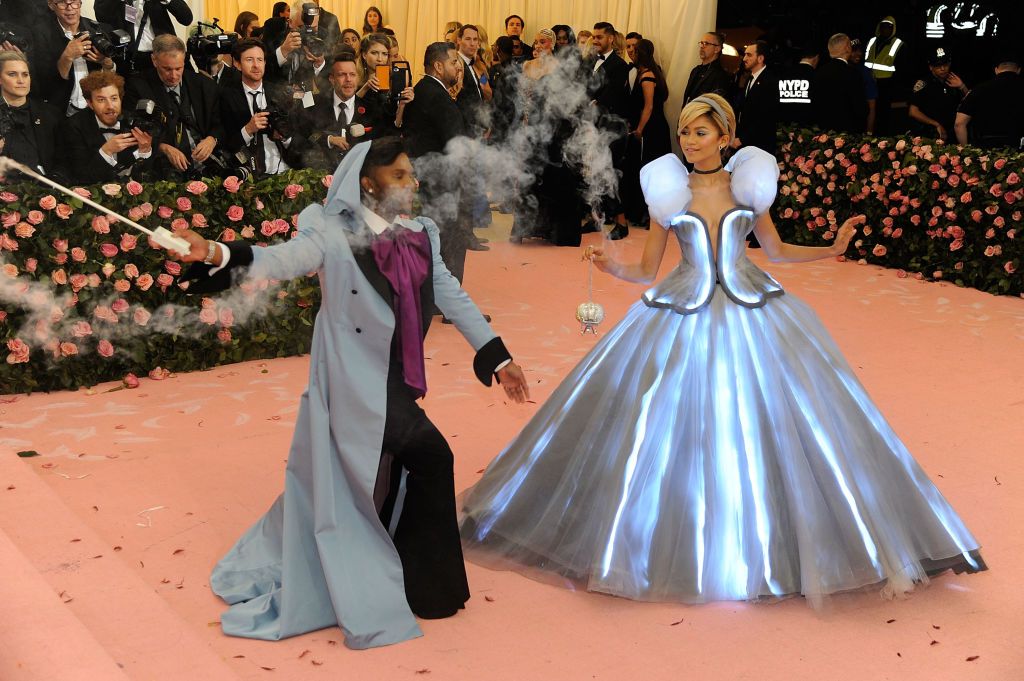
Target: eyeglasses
(703,43)
(67,4)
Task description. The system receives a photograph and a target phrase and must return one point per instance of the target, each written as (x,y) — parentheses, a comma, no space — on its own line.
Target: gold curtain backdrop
(674,26)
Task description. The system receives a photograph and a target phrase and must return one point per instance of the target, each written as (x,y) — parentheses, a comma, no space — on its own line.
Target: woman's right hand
(846,232)
(595,254)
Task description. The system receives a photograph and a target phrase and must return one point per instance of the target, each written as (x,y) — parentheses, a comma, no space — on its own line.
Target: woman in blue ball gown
(714,445)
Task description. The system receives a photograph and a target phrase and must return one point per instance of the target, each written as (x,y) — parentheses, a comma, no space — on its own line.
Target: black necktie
(257,147)
(180,136)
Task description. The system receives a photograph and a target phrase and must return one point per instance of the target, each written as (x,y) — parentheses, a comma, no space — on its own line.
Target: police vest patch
(919,85)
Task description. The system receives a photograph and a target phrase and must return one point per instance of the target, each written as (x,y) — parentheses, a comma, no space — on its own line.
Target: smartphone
(399,78)
(383,77)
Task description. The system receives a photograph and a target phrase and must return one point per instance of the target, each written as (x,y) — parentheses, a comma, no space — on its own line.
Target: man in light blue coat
(322,555)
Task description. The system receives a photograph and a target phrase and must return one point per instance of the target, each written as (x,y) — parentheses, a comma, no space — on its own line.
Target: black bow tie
(116,131)
(602,57)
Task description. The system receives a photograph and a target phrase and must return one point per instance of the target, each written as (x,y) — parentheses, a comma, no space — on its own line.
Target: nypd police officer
(935,99)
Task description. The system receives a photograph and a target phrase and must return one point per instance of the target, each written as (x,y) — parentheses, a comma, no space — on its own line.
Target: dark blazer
(234,112)
(758,112)
(708,79)
(40,134)
(797,95)
(49,43)
(80,140)
(432,119)
(203,94)
(274,29)
(470,100)
(609,86)
(841,102)
(112,12)
(279,73)
(320,120)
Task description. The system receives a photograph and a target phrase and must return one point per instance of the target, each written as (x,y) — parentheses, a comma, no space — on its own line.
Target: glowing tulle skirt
(729,454)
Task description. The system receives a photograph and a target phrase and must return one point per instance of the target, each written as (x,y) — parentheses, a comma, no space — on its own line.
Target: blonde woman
(715,444)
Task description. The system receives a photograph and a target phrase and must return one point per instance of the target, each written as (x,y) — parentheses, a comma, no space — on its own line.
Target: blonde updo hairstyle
(716,108)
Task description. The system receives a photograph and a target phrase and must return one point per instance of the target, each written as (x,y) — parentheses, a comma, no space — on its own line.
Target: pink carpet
(108,537)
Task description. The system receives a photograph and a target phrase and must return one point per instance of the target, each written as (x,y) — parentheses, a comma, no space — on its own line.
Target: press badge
(131,13)
(307,99)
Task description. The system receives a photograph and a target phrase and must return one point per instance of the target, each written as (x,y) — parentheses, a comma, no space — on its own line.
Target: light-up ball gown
(714,445)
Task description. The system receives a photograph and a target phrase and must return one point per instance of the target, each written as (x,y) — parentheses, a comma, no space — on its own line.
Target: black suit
(49,43)
(154,12)
(432,119)
(841,102)
(470,100)
(80,142)
(322,120)
(32,141)
(758,112)
(706,79)
(202,116)
(235,108)
(609,87)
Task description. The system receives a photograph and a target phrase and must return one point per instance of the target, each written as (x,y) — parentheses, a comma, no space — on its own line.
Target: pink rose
(146,208)
(879,250)
(267,228)
(292,190)
(999,222)
(259,203)
(59,277)
(1000,162)
(64,211)
(31,264)
(957,232)
(248,232)
(164,212)
(81,329)
(68,349)
(228,235)
(159,374)
(208,315)
(3,316)
(19,351)
(326,180)
(7,243)
(105,348)
(996,190)
(141,316)
(108,250)
(94,280)
(897,233)
(11,219)
(48,202)
(208,303)
(1012,178)
(224,335)
(122,285)
(199,221)
(227,317)
(104,313)
(131,270)
(134,188)
(111,189)
(35,217)
(130,381)
(164,280)
(991,232)
(24,230)
(179,224)
(956,245)
(120,305)
(954,180)
(144,282)
(281,226)
(901,274)
(135,213)
(231,184)
(196,187)
(128,242)
(1010,267)
(173,268)
(8,197)
(184,204)
(78,254)
(235,213)
(965,197)
(10,270)
(959,266)
(990,251)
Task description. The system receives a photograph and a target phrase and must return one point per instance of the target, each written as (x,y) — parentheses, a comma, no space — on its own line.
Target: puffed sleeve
(755,178)
(666,186)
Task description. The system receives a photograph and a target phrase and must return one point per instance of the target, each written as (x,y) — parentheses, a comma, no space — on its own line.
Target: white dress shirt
(274,163)
(79,70)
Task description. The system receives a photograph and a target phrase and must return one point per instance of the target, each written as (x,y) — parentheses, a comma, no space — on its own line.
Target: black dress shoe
(477,246)
(618,232)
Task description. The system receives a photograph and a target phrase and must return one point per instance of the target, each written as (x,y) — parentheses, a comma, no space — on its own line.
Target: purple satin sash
(403,257)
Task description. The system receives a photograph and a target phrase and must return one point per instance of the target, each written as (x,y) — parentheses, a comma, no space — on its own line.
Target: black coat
(758,112)
(35,137)
(49,43)
(432,119)
(320,120)
(708,79)
(111,12)
(470,100)
(281,73)
(235,113)
(797,95)
(841,102)
(80,142)
(609,86)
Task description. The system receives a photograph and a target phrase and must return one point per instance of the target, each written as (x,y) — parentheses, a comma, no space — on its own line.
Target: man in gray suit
(327,553)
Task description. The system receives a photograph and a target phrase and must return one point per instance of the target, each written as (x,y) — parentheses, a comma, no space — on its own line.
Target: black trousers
(443,201)
(427,535)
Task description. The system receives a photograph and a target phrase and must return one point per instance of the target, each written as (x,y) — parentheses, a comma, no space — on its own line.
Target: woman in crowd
(373,21)
(374,51)
(351,39)
(31,126)
(649,132)
(245,23)
(450,29)
(394,52)
(564,37)
(715,444)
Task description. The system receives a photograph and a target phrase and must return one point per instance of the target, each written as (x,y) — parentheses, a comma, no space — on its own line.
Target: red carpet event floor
(107,538)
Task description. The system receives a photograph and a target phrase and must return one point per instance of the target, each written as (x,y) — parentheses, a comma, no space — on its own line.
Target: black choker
(708,172)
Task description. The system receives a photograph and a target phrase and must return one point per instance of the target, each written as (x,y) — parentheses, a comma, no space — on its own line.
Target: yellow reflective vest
(882,65)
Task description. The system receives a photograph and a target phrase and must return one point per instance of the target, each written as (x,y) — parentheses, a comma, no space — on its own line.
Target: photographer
(143,20)
(27,127)
(299,57)
(192,104)
(95,145)
(340,118)
(255,120)
(64,54)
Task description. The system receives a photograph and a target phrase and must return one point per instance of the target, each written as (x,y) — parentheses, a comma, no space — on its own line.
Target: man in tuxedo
(144,20)
(246,108)
(95,145)
(63,55)
(609,92)
(758,105)
(473,95)
(332,123)
(191,103)
(289,61)
(709,76)
(842,104)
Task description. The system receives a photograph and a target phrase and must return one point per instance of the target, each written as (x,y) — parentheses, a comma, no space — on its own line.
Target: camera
(8,35)
(311,39)
(113,45)
(203,47)
(277,120)
(223,163)
(146,117)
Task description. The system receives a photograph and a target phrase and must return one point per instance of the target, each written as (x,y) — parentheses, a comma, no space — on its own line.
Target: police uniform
(996,109)
(936,99)
(796,95)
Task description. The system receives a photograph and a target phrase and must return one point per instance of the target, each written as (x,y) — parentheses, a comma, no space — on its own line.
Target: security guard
(880,57)
(935,99)
(993,113)
(796,90)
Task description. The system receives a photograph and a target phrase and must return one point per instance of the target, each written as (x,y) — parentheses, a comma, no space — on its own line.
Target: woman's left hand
(846,232)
